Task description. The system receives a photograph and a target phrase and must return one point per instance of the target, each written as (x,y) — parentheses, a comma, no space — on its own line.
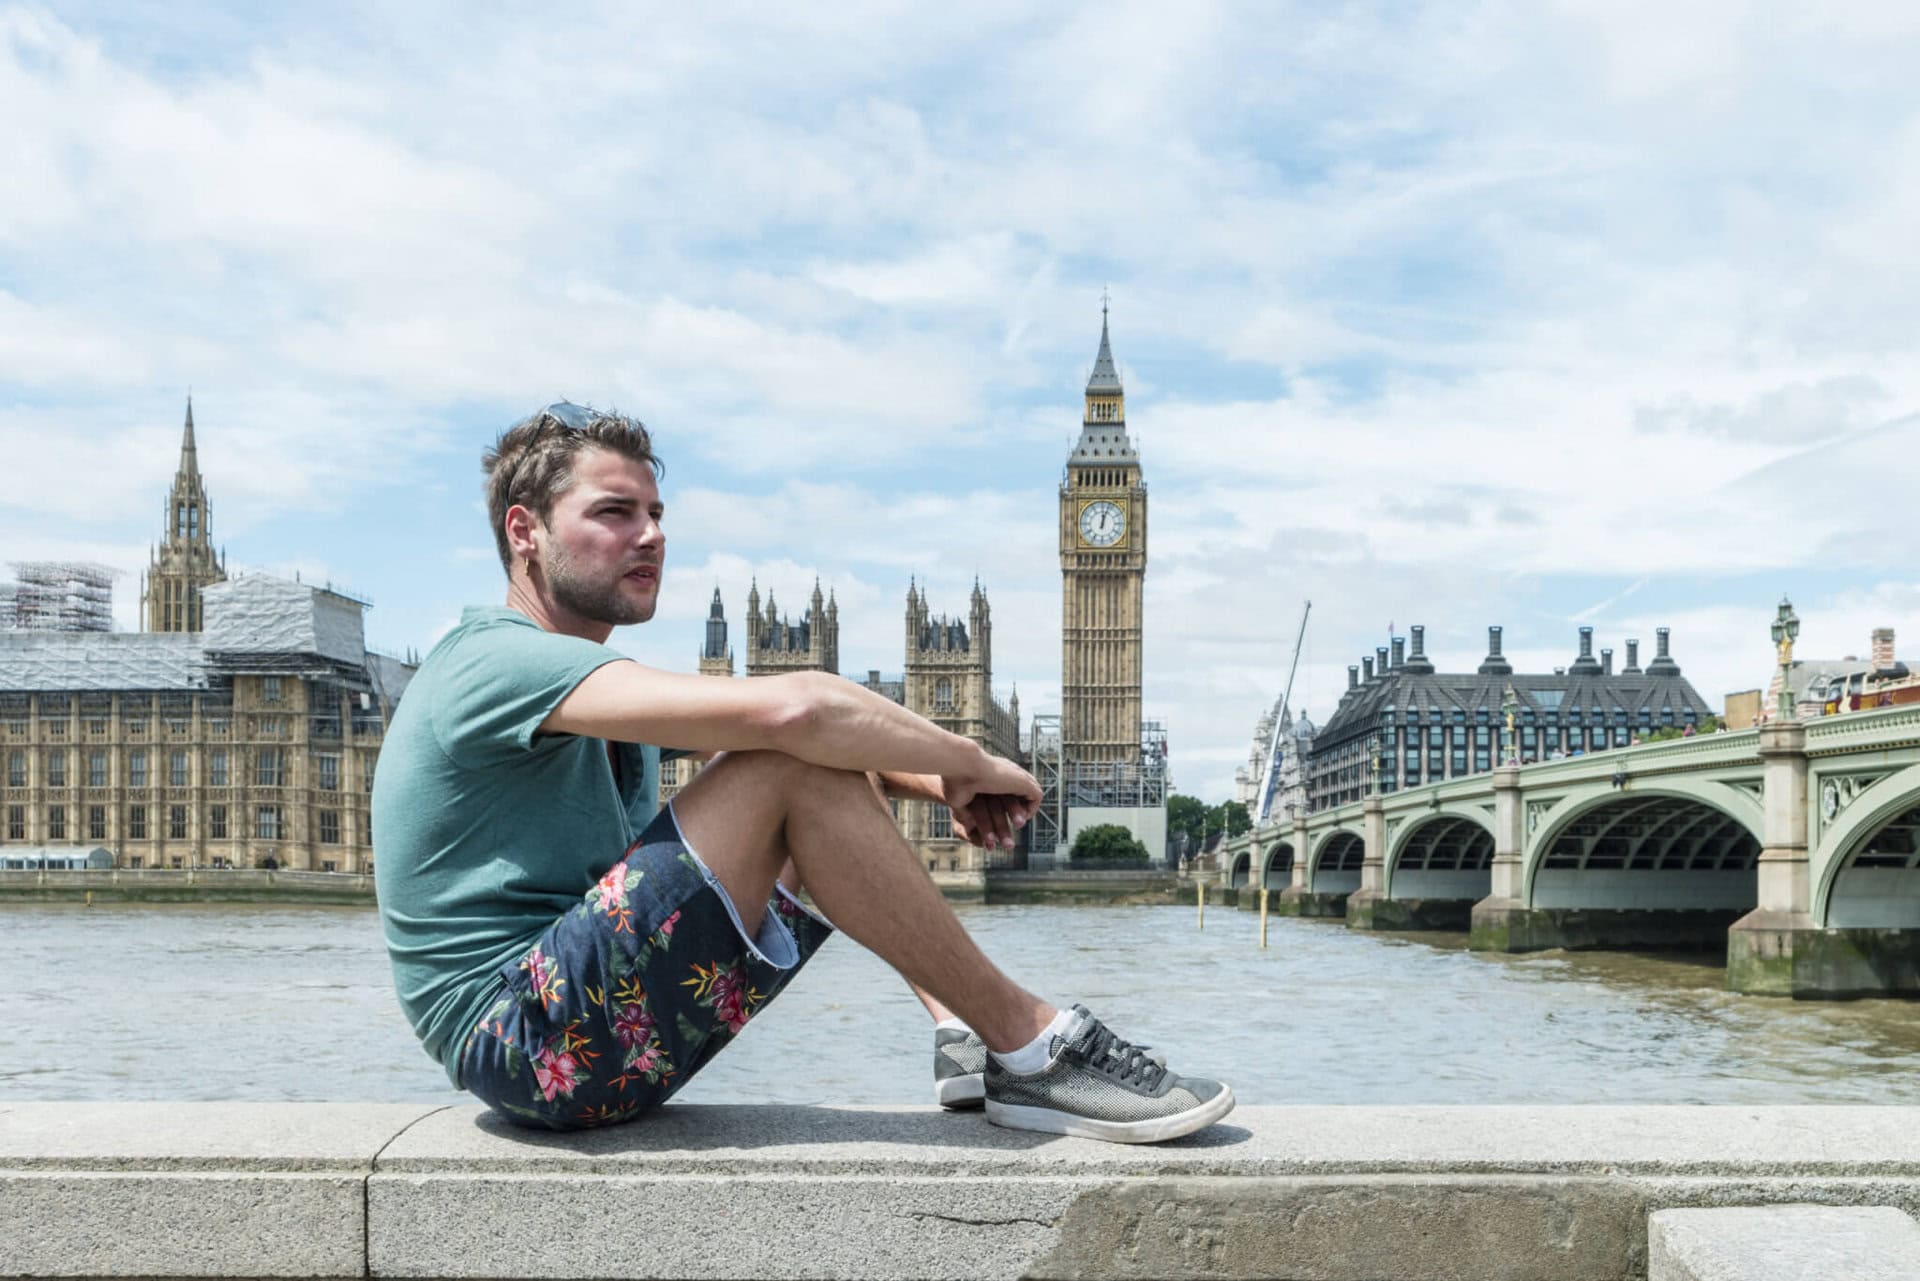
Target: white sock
(951,1024)
(1037,1053)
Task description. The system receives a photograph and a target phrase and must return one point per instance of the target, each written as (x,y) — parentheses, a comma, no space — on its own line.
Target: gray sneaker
(959,1064)
(1099,1087)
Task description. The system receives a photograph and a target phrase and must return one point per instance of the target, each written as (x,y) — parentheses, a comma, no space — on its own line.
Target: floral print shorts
(629,994)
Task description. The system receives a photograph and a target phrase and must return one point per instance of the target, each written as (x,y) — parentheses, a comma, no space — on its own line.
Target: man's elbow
(793,719)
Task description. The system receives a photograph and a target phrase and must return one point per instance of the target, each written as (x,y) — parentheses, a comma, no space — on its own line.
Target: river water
(219,1002)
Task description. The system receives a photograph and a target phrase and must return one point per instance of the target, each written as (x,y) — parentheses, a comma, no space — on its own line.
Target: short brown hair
(532,463)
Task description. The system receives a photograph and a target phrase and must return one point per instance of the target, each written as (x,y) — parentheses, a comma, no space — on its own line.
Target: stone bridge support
(1779,948)
(1502,918)
(1365,905)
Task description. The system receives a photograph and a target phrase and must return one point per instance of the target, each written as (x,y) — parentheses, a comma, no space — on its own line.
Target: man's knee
(777,771)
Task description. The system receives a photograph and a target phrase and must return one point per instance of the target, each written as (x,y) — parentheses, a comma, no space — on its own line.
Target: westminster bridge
(1797,843)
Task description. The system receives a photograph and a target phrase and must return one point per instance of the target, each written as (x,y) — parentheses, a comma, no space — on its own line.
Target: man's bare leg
(748,813)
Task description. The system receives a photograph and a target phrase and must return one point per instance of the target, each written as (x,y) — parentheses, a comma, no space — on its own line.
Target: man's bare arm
(813,716)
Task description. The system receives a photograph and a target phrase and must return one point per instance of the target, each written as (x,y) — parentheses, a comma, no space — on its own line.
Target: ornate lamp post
(1510,708)
(1786,626)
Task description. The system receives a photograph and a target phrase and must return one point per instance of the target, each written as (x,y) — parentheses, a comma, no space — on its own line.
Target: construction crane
(1272,781)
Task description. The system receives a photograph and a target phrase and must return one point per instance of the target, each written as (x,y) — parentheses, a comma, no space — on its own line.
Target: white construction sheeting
(78,661)
(261,614)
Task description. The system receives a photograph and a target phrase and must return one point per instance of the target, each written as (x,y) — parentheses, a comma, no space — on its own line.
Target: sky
(1534,314)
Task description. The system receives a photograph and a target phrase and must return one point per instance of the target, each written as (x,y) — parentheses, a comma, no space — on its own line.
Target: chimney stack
(1606,662)
(1417,662)
(1367,663)
(1586,664)
(1633,659)
(1353,679)
(1380,662)
(1399,651)
(1883,649)
(1495,664)
(1662,664)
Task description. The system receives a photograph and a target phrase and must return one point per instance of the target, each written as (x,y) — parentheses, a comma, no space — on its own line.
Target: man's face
(604,544)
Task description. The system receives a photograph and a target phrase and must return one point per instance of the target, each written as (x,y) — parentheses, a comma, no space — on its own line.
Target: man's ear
(521,526)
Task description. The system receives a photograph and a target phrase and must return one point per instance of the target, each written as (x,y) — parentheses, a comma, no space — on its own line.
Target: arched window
(943,695)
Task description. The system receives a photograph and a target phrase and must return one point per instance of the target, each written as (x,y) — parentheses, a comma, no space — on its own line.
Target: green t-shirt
(484,834)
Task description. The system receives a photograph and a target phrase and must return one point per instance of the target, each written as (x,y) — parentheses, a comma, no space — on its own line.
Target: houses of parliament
(1097,761)
(242,727)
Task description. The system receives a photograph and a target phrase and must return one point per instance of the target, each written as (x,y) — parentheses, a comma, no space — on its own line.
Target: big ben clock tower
(1103,567)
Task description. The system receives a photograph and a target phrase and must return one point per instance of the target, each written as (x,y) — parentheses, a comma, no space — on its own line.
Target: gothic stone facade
(183,563)
(1103,567)
(949,680)
(241,729)
(191,750)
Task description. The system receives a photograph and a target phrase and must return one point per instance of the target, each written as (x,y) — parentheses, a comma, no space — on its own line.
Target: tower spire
(189,453)
(1105,380)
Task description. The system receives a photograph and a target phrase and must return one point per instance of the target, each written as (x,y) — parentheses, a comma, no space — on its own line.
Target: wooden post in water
(1263,919)
(1200,900)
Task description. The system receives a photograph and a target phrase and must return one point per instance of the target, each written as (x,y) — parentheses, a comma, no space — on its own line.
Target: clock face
(1102,524)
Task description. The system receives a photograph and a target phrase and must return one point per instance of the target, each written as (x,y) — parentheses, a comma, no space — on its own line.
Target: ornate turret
(185,560)
(716,656)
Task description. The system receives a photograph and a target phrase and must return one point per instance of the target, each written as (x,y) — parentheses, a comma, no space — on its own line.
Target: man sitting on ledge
(573,958)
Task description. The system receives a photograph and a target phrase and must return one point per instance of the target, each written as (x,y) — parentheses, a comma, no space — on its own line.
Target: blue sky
(1454,314)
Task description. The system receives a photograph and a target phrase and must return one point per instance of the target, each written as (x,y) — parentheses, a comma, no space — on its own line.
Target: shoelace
(1117,1058)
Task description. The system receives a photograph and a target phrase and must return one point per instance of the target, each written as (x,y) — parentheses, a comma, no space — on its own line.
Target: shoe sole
(968,1091)
(1159,1129)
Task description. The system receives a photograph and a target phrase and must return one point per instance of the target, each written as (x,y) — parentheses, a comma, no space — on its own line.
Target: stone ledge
(1380,1194)
(1784,1243)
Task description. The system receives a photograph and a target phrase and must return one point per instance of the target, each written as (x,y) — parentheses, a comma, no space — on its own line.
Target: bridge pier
(1410,915)
(1362,904)
(1307,904)
(1507,926)
(1777,949)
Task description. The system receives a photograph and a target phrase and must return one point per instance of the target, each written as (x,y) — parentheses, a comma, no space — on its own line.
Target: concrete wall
(1149,826)
(1336,1194)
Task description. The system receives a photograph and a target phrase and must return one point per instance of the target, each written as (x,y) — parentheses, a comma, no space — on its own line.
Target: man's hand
(990,802)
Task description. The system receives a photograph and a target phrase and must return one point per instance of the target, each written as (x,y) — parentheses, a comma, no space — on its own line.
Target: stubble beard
(585,597)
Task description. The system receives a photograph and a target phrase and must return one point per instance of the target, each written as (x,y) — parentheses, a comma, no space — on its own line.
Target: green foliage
(1192,816)
(1185,814)
(1107,842)
(1711,725)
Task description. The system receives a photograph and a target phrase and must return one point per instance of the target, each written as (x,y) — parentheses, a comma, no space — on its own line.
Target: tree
(1233,816)
(1107,842)
(1186,815)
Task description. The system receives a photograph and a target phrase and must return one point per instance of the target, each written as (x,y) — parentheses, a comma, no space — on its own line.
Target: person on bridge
(572,957)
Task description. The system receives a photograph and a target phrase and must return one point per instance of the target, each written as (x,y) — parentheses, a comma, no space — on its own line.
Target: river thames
(269,1004)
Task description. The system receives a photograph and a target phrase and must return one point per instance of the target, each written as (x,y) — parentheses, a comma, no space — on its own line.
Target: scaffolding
(1140,784)
(1069,785)
(62,596)
(1047,829)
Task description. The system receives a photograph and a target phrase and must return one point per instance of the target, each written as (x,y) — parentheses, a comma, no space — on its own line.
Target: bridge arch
(1442,855)
(1237,876)
(1336,863)
(1870,875)
(1277,867)
(1675,844)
